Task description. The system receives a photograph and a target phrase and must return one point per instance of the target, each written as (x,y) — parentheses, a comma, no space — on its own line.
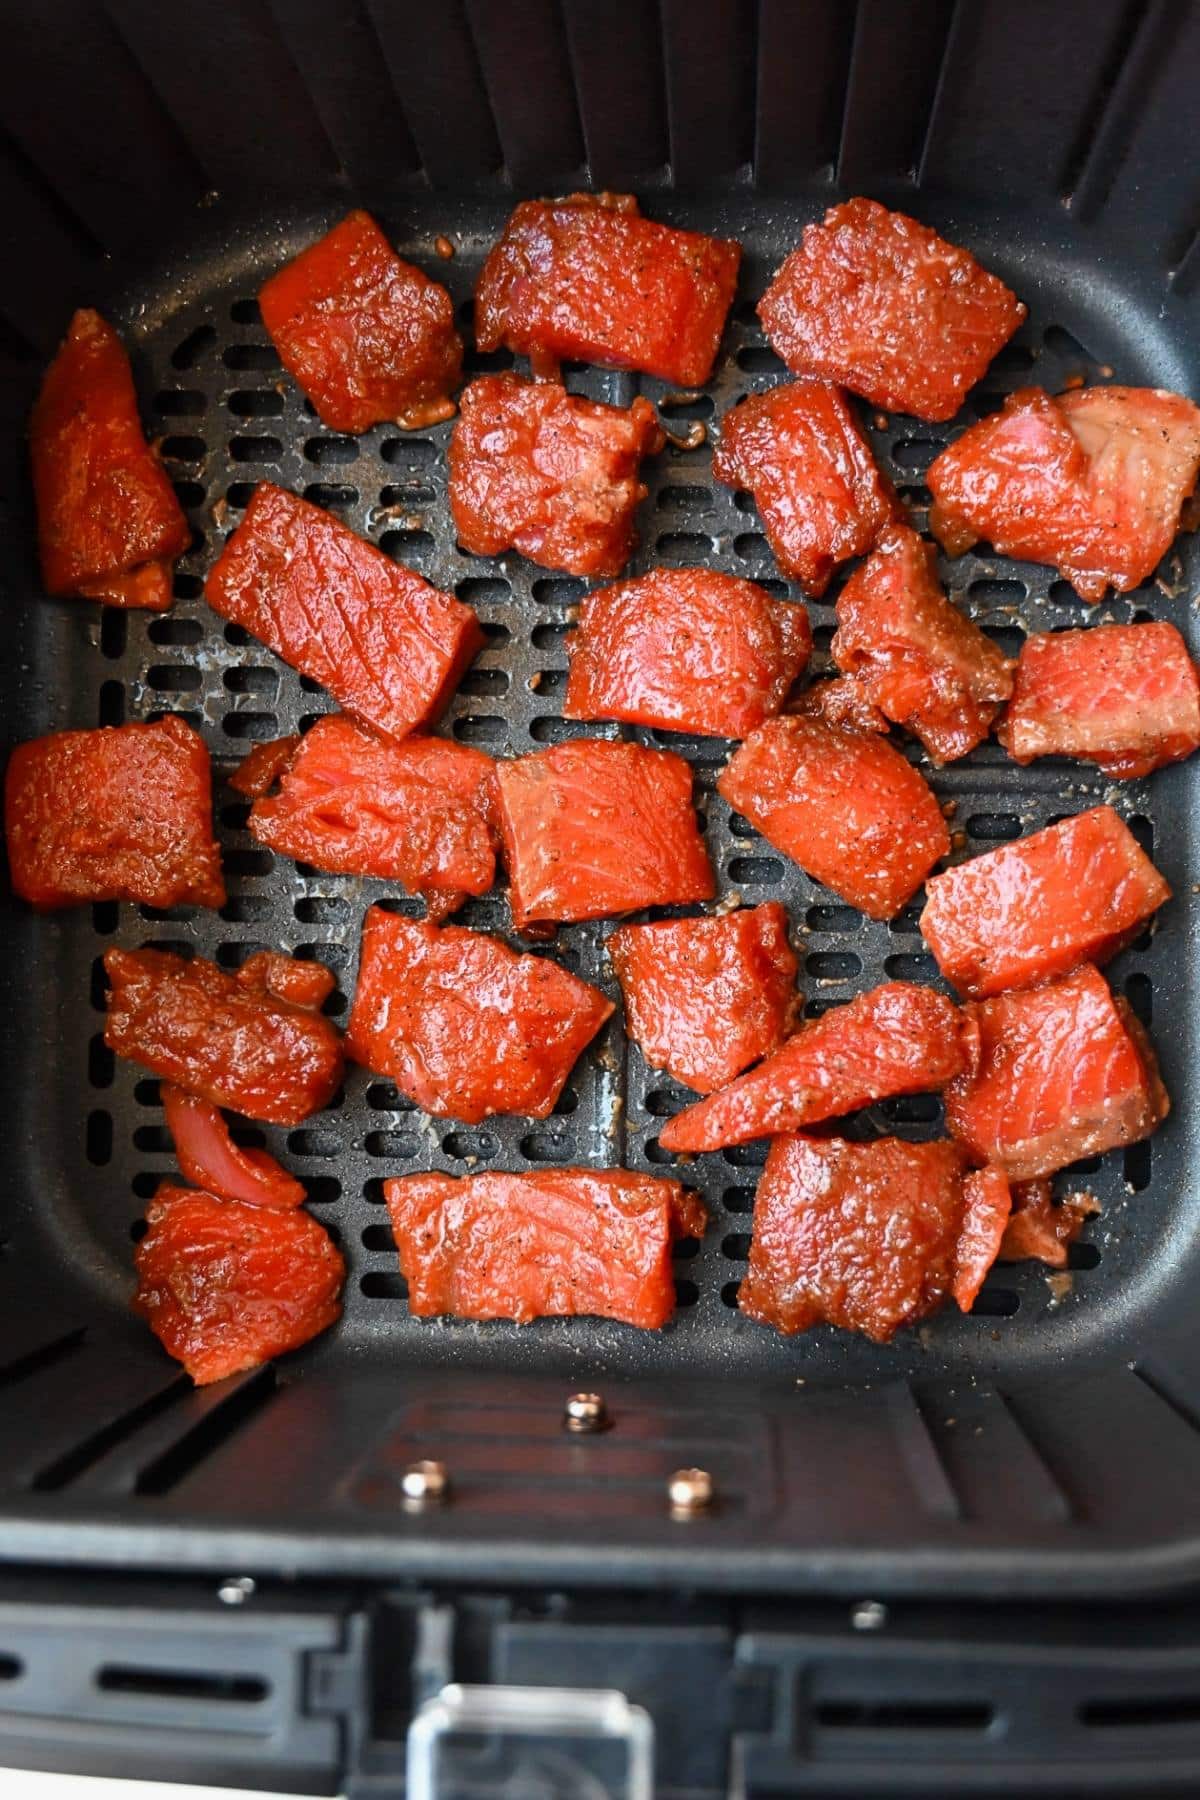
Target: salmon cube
(209,1158)
(1092,482)
(924,664)
(463,1025)
(558,1242)
(880,303)
(109,524)
(818,490)
(555,476)
(123,813)
(1056,1073)
(686,650)
(705,998)
(593,828)
(388,646)
(1125,697)
(1076,892)
(294,979)
(1041,1230)
(896,1039)
(588,278)
(368,337)
(225,1286)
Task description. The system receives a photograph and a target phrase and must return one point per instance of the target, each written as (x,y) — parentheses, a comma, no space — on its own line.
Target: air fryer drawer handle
(495,1743)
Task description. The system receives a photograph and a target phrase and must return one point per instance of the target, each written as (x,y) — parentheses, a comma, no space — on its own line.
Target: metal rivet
(425,1482)
(586,1412)
(869,1615)
(690,1491)
(237,1590)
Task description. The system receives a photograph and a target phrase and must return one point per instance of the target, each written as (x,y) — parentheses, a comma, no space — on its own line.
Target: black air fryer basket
(954,1565)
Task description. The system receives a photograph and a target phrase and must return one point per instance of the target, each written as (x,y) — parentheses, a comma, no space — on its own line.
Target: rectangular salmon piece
(705,998)
(389,647)
(896,1039)
(368,337)
(1076,892)
(880,303)
(1056,1073)
(123,813)
(463,1025)
(1125,697)
(588,278)
(556,1243)
(686,650)
(593,828)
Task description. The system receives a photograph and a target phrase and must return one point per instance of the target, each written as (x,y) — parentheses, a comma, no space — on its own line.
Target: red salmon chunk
(686,650)
(1077,892)
(225,1286)
(705,998)
(1091,481)
(226,1039)
(587,278)
(208,1156)
(558,1242)
(1056,1073)
(593,828)
(463,1025)
(388,646)
(880,303)
(1123,696)
(261,767)
(814,480)
(109,524)
(367,336)
(896,1039)
(844,804)
(123,813)
(555,476)
(291,978)
(924,664)
(989,1204)
(1040,1230)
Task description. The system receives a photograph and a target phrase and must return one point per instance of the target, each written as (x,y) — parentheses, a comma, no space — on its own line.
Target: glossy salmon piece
(227,1039)
(294,979)
(262,766)
(1076,892)
(705,998)
(209,1158)
(123,813)
(589,279)
(924,664)
(1056,1073)
(558,1242)
(551,474)
(368,337)
(896,1039)
(883,305)
(818,490)
(593,828)
(109,523)
(844,804)
(389,647)
(989,1203)
(686,650)
(1039,1230)
(465,1026)
(1125,697)
(225,1286)
(1092,482)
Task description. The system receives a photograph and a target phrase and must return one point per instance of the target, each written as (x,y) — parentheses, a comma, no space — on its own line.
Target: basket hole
(331,493)
(168,631)
(250,356)
(237,498)
(321,909)
(1083,1256)
(729,1293)
(483,590)
(751,546)
(377,1237)
(834,965)
(249,863)
(686,406)
(406,543)
(322,1189)
(738,1199)
(755,871)
(325,451)
(101,1062)
(414,451)
(664,1103)
(245,312)
(912,1109)
(179,403)
(98,1137)
(258,726)
(996,1303)
(994,827)
(760,359)
(550,637)
(547,1147)
(384,1096)
(1143,831)
(485,730)
(114,632)
(470,1145)
(1008,638)
(381,1284)
(745,1156)
(905,966)
(252,680)
(255,449)
(692,499)
(111,709)
(246,909)
(567,1103)
(398,1145)
(915,453)
(686,1293)
(990,592)
(256,403)
(187,354)
(492,682)
(152,1140)
(1138,1163)
(1140,995)
(173,678)
(314,1142)
(832,918)
(184,449)
(736,1246)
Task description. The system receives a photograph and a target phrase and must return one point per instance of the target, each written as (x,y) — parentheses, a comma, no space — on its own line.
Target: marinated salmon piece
(123,813)
(989,1204)
(209,1158)
(558,1242)
(923,663)
(1092,482)
(1076,892)
(1040,1230)
(388,646)
(262,766)
(551,474)
(367,336)
(818,490)
(592,828)
(1125,697)
(880,303)
(844,804)
(705,998)
(686,650)
(896,1039)
(295,979)
(226,1039)
(588,278)
(465,1026)
(224,1286)
(1056,1073)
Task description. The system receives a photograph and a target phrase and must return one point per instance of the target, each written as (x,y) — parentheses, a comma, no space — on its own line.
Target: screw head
(869,1615)
(425,1482)
(586,1412)
(236,1590)
(690,1491)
